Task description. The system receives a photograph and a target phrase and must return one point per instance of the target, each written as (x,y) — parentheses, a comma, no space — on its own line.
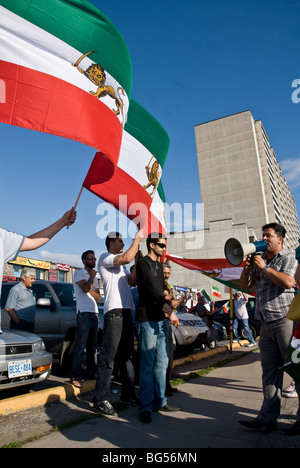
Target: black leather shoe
(132,400)
(257,424)
(145,417)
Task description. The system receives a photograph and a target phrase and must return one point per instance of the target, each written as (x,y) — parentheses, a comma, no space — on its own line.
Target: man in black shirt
(152,328)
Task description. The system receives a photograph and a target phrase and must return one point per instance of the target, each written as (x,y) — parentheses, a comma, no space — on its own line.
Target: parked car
(224,318)
(56,320)
(191,333)
(23,359)
(55,316)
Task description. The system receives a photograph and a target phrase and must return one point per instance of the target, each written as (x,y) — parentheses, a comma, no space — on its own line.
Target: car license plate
(19,368)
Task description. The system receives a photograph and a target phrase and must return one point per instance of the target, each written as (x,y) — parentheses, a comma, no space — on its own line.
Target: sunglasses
(90,258)
(161,245)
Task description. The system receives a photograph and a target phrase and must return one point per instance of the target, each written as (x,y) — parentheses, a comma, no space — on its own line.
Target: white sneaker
(105,408)
(292,394)
(290,388)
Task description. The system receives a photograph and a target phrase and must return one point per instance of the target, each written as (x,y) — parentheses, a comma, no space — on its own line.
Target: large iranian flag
(67,71)
(135,188)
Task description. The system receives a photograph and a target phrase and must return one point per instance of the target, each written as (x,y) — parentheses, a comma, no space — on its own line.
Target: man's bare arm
(13,315)
(42,237)
(128,256)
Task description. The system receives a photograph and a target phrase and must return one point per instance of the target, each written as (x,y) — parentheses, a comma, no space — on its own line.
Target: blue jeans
(153,345)
(86,338)
(117,336)
(245,326)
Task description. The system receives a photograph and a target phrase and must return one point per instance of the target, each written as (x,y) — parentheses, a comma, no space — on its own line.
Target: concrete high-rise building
(240,177)
(242,188)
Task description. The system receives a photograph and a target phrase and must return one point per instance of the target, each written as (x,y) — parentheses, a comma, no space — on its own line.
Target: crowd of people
(153,317)
(275,274)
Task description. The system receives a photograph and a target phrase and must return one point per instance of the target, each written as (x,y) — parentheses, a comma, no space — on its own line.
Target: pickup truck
(55,317)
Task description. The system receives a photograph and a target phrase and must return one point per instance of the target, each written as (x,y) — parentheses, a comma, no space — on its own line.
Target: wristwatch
(266,268)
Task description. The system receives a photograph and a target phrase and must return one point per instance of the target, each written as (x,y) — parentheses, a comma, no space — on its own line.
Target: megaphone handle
(253,256)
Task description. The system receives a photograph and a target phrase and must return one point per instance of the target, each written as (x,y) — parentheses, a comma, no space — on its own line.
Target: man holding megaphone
(273,275)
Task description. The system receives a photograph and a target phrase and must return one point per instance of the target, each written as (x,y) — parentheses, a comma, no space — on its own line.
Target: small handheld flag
(216,292)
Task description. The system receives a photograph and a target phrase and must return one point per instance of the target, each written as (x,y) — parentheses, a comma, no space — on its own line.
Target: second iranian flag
(135,188)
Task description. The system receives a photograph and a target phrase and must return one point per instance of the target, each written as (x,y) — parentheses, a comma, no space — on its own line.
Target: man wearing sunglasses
(86,288)
(152,328)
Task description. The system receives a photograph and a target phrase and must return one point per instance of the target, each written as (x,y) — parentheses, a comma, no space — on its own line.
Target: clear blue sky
(193,61)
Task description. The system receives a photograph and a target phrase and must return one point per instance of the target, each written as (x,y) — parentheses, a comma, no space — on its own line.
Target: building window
(61,275)
(39,274)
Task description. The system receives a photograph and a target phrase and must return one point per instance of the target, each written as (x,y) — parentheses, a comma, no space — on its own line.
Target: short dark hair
(153,237)
(112,236)
(85,254)
(278,228)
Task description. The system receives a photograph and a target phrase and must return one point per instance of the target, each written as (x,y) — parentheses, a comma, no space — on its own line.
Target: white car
(23,359)
(191,333)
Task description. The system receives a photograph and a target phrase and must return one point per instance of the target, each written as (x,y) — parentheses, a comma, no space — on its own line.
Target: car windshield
(65,293)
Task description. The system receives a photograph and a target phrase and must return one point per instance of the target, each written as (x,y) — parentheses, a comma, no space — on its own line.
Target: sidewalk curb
(207,354)
(40,398)
(31,400)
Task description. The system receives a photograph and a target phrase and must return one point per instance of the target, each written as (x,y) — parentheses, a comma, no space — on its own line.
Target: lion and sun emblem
(96,74)
(153,175)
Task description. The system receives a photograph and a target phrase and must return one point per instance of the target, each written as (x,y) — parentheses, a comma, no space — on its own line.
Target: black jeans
(117,336)
(86,338)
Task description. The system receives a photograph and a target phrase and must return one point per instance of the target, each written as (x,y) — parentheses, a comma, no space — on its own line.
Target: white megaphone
(235,252)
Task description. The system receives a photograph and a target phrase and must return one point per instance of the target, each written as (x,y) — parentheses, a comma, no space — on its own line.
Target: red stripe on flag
(135,201)
(47,104)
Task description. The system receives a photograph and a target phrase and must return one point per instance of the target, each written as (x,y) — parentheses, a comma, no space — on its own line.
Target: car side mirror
(43,302)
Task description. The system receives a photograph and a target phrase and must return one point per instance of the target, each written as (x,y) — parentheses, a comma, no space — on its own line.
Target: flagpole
(231,319)
(76,203)
(79,195)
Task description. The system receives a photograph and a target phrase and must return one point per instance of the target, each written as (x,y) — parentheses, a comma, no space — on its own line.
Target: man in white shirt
(86,288)
(241,315)
(11,244)
(118,325)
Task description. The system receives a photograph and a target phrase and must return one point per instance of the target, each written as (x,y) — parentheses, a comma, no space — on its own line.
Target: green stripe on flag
(82,26)
(148,131)
(204,294)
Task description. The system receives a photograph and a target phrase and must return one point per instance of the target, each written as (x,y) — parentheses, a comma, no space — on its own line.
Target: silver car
(23,359)
(191,333)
